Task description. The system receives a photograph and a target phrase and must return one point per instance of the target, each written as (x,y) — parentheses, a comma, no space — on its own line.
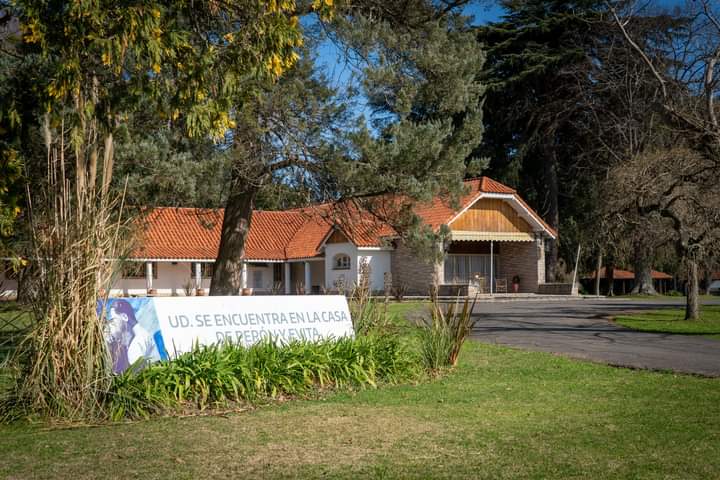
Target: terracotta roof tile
(180,233)
(619,274)
(270,233)
(188,233)
(307,240)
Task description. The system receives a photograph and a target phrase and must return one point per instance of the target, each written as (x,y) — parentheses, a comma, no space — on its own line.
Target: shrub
(370,317)
(220,375)
(444,335)
(435,346)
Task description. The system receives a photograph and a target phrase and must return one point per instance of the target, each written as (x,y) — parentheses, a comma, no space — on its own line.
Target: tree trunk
(643,271)
(598,267)
(692,309)
(610,277)
(227,274)
(553,215)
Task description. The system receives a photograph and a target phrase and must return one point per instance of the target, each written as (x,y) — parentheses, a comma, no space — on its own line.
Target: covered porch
(493,263)
(168,277)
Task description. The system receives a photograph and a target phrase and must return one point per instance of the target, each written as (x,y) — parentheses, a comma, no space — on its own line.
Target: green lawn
(13,322)
(503,414)
(409,310)
(671,321)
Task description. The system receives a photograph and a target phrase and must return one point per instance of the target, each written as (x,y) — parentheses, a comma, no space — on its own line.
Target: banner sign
(160,328)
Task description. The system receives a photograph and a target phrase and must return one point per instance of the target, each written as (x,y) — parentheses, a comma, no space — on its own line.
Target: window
(257,279)
(341,262)
(461,269)
(137,270)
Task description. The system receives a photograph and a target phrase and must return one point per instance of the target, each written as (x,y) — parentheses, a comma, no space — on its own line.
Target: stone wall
(526,260)
(557,289)
(415,274)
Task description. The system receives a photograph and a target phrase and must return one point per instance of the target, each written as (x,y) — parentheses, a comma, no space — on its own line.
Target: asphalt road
(580,329)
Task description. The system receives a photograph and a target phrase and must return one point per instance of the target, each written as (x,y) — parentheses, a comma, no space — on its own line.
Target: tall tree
(688,92)
(104,61)
(285,135)
(534,53)
(419,64)
(621,122)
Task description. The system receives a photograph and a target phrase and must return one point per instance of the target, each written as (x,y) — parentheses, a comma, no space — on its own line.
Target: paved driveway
(579,329)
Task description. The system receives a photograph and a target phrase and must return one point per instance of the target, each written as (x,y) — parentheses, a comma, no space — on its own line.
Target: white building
(493,235)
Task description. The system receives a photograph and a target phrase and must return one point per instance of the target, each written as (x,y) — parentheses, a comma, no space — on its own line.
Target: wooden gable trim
(516,203)
(337,236)
(492,215)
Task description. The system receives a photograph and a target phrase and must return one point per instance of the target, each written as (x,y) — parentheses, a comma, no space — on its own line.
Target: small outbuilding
(624,281)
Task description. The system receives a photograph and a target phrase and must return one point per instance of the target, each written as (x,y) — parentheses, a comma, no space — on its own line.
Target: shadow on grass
(673,321)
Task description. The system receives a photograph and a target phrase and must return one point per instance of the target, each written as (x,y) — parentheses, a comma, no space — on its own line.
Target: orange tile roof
(194,234)
(619,274)
(180,233)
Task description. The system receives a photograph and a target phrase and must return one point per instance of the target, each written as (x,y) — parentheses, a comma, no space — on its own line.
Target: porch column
(308,280)
(244,275)
(198,275)
(287,278)
(492,267)
(148,276)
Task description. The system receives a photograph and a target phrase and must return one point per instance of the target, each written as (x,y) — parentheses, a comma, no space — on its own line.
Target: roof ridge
(481,178)
(156,207)
(306,220)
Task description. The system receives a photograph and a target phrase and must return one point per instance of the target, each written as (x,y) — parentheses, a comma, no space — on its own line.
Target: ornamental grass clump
(62,368)
(442,337)
(226,375)
(368,315)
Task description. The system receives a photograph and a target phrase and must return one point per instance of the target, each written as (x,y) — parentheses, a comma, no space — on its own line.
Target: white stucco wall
(379,262)
(332,275)
(171,280)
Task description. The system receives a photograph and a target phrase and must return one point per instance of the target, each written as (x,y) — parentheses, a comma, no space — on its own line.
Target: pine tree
(534,55)
(419,70)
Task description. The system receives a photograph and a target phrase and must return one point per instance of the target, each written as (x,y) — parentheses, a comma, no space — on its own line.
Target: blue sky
(337,70)
(482,12)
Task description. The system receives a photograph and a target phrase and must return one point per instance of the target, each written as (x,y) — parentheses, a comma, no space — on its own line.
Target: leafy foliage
(220,375)
(107,54)
(11,195)
(158,167)
(423,89)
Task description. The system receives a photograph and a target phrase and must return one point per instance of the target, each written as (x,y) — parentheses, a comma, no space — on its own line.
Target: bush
(221,375)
